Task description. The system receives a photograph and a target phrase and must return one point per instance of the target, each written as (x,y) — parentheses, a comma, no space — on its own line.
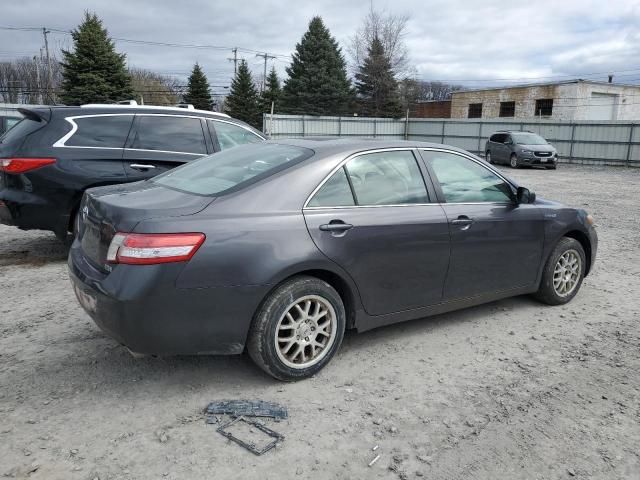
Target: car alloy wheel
(514,161)
(566,273)
(305,332)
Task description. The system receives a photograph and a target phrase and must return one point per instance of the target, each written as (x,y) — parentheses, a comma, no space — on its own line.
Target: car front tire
(298,329)
(563,273)
(513,161)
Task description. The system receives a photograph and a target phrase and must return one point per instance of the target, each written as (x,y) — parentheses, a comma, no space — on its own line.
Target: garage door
(602,106)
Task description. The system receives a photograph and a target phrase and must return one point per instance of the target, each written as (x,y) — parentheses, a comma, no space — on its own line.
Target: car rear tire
(563,273)
(488,157)
(298,329)
(552,167)
(513,161)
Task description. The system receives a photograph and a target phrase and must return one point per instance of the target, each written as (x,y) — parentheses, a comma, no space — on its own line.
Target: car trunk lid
(119,208)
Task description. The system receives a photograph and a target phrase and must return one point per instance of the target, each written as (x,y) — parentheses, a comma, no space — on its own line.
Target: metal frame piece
(251,446)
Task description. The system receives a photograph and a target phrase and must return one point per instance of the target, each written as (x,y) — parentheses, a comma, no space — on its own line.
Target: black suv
(54,154)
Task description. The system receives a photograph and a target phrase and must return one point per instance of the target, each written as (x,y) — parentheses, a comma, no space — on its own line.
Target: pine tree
(376,86)
(94,71)
(317,83)
(271,92)
(242,101)
(198,93)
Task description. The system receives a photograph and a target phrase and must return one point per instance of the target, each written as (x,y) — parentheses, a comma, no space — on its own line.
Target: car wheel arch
(583,239)
(345,287)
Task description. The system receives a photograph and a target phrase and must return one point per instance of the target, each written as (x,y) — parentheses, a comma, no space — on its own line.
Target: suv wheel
(563,273)
(513,162)
(488,157)
(298,329)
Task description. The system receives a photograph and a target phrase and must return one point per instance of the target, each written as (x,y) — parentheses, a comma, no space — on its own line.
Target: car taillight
(152,248)
(23,165)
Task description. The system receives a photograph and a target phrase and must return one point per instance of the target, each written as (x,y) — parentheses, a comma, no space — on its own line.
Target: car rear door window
(169,133)
(387,178)
(464,181)
(335,192)
(108,131)
(230,135)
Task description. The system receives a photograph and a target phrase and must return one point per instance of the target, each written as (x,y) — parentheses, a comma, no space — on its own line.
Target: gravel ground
(512,389)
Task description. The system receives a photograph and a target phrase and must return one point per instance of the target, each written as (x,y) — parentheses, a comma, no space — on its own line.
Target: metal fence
(585,142)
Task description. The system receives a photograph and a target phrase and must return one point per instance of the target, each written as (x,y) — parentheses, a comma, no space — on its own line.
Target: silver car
(518,149)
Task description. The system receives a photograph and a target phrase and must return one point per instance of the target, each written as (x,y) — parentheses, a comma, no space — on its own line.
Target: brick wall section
(435,109)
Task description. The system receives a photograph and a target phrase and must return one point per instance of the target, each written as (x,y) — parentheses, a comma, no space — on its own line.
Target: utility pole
(234,60)
(37,63)
(266,57)
(46,48)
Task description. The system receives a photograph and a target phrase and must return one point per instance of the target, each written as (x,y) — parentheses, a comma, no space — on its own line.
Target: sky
(469,42)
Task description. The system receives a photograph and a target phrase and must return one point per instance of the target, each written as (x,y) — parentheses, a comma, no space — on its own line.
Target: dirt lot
(513,389)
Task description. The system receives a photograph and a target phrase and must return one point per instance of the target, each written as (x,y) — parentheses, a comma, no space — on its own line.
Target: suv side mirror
(508,142)
(524,195)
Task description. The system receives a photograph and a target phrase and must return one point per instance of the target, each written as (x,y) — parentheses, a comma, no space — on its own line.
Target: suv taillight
(23,165)
(153,248)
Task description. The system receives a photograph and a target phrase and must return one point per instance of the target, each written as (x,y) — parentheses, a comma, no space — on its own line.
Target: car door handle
(141,166)
(336,226)
(462,221)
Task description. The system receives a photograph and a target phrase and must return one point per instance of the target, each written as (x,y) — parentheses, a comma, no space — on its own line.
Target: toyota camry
(279,247)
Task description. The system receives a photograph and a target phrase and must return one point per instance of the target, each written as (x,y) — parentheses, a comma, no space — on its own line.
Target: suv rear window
(20,130)
(109,131)
(232,169)
(169,133)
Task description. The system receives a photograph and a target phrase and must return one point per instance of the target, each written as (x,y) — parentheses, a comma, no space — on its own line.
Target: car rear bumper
(140,307)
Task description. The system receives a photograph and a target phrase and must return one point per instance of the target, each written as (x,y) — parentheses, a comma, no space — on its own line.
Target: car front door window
(464,181)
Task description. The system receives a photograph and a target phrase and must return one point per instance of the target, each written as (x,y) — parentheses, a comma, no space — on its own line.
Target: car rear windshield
(20,130)
(232,169)
(528,139)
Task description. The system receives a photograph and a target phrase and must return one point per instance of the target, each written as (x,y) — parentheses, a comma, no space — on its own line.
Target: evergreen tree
(271,92)
(376,86)
(198,93)
(317,83)
(94,71)
(242,101)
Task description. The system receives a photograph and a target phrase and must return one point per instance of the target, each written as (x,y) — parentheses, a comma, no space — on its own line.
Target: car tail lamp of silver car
(23,165)
(153,248)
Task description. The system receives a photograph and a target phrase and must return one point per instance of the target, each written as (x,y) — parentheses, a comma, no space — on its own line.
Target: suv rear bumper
(29,211)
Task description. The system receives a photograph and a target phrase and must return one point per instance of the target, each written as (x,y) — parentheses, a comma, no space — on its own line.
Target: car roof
(328,145)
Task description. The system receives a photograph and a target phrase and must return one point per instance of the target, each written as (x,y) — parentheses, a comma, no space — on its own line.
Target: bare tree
(391,30)
(155,89)
(25,81)
(412,91)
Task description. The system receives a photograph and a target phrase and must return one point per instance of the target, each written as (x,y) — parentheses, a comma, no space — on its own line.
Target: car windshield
(528,139)
(232,169)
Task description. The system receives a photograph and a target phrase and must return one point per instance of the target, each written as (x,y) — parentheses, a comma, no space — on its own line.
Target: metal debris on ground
(374,460)
(251,446)
(247,408)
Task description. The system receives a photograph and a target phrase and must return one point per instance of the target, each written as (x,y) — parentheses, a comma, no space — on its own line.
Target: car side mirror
(508,142)
(524,195)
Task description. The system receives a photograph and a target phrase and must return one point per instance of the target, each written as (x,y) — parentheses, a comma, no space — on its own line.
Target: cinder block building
(567,100)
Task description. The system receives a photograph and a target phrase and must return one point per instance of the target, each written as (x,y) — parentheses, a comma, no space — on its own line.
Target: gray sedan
(280,247)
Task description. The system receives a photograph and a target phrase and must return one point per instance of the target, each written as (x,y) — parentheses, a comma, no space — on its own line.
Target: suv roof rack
(179,107)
